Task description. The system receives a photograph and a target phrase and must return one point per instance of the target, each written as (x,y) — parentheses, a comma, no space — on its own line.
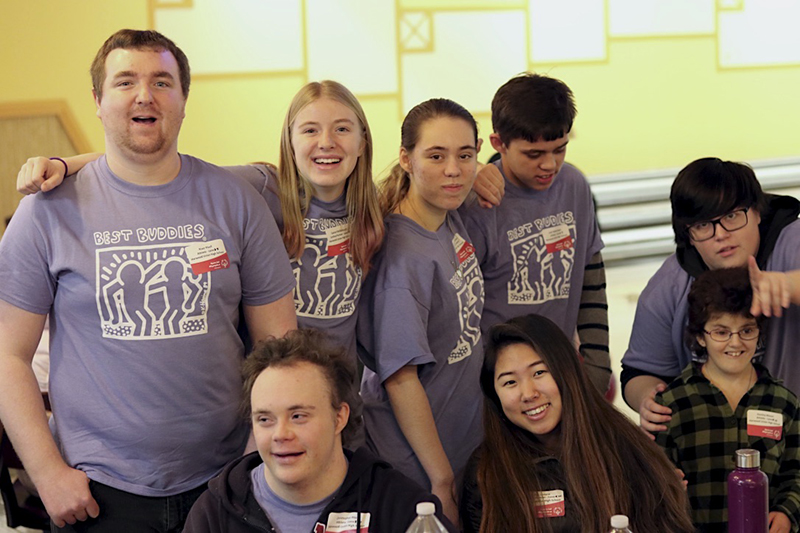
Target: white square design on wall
(353,42)
(642,18)
(474,52)
(236,36)
(763,33)
(567,30)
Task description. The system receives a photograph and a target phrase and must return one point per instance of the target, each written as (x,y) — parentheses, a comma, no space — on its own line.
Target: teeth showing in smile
(326,161)
(538,410)
(734,354)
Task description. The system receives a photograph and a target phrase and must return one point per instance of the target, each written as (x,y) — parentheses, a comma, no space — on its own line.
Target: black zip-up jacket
(370,486)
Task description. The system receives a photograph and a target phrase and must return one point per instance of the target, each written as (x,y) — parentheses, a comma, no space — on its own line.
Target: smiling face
(328,139)
(143,106)
(531,165)
(528,393)
(731,248)
(441,166)
(298,432)
(731,358)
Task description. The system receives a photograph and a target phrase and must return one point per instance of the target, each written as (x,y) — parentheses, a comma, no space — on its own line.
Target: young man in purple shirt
(539,249)
(142,262)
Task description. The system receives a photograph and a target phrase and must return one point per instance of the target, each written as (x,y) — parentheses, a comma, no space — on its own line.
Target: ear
(363,144)
(342,417)
(755,216)
(405,160)
(701,341)
(497,144)
(96,102)
(478,148)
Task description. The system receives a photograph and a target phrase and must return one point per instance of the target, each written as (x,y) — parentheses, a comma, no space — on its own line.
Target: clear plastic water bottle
(748,495)
(619,524)
(426,521)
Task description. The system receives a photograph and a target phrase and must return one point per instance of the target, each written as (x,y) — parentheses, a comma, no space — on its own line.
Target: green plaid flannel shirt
(704,434)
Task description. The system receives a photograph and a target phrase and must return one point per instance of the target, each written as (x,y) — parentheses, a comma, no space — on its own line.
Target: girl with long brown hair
(556,456)
(419,317)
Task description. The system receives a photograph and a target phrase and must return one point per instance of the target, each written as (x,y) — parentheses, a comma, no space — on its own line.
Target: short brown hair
(138,40)
(718,292)
(308,346)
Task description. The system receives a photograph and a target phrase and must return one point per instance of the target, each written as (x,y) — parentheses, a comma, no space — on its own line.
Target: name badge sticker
(557,239)
(207,256)
(463,248)
(549,503)
(338,240)
(764,424)
(346,523)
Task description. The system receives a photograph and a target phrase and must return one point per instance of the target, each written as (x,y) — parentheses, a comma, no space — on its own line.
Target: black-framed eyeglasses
(706,229)
(723,335)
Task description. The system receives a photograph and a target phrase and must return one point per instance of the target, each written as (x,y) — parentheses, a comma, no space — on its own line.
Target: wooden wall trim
(57,108)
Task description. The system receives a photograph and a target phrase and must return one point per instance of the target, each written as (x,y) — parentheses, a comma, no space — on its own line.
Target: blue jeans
(123,512)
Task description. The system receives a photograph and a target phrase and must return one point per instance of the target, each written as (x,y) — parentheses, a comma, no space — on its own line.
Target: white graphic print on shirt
(543,255)
(328,283)
(468,282)
(150,292)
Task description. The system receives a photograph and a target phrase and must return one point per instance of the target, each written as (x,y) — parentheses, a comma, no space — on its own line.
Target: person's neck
(320,487)
(509,175)
(733,387)
(147,170)
(421,213)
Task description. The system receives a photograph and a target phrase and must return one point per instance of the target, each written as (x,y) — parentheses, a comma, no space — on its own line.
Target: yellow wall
(653,102)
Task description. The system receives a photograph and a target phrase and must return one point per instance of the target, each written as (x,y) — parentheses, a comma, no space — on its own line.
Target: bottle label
(764,424)
(344,523)
(549,503)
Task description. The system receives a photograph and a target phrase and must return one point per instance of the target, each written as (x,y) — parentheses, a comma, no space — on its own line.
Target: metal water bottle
(748,495)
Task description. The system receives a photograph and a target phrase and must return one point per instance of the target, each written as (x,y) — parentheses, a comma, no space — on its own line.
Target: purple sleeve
(399,325)
(263,179)
(266,272)
(656,344)
(26,280)
(786,255)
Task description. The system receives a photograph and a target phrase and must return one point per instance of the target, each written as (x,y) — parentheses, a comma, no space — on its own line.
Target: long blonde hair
(395,187)
(364,215)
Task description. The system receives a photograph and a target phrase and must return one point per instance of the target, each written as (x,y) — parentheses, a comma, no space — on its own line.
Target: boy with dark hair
(298,393)
(539,249)
(723,401)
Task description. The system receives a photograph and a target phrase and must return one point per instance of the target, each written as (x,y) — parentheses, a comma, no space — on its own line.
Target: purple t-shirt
(286,517)
(328,282)
(657,342)
(143,285)
(422,306)
(533,248)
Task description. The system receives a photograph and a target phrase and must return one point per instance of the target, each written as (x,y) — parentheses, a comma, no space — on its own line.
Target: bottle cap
(619,521)
(748,458)
(426,508)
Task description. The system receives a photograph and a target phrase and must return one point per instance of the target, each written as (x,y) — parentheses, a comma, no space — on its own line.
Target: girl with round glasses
(725,401)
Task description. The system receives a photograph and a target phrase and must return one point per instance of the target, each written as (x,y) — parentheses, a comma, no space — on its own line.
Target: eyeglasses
(724,335)
(706,229)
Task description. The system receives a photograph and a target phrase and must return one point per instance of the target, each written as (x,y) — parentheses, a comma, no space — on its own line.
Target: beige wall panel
(237,36)
(643,18)
(763,33)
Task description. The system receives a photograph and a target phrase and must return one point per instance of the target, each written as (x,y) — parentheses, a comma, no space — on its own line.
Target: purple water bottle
(748,495)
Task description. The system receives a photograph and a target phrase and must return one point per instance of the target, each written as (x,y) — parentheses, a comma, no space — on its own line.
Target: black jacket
(370,486)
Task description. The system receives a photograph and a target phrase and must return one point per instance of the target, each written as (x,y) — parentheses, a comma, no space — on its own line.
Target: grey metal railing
(634,212)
